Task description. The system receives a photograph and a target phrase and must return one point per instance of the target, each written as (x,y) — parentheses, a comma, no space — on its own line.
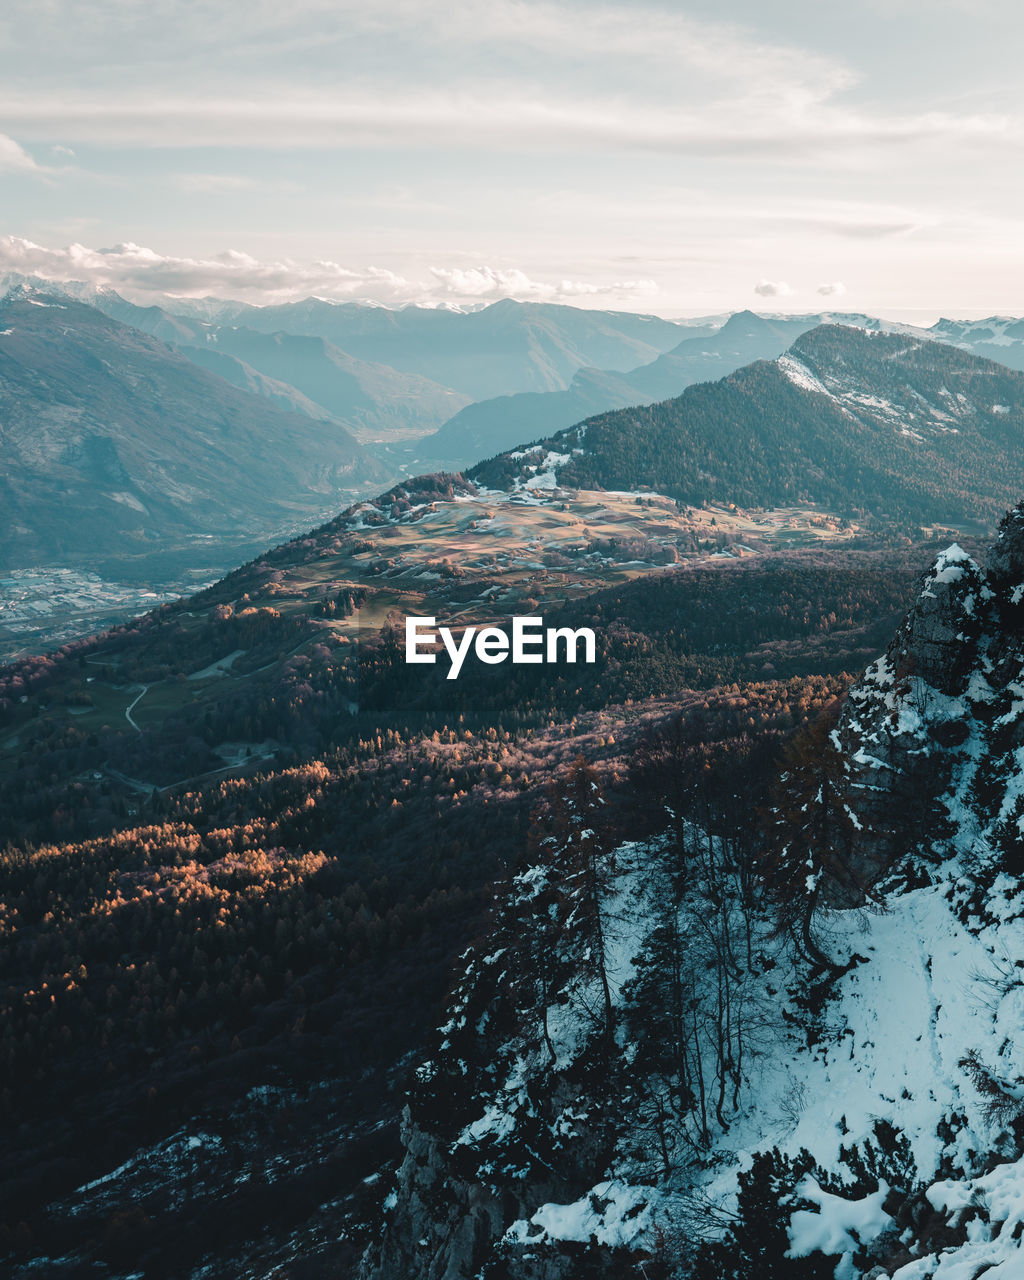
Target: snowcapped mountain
(715,1055)
(704,355)
(884,425)
(997,338)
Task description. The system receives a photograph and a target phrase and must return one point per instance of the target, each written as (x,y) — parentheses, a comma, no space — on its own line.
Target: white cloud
(137,269)
(772,289)
(834,290)
(804,128)
(488,282)
(346,74)
(140,272)
(14,158)
(324,41)
(219,183)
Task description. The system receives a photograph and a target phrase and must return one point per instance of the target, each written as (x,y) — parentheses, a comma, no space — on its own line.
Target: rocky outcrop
(551,1137)
(437,1235)
(512,1123)
(928,738)
(444,1222)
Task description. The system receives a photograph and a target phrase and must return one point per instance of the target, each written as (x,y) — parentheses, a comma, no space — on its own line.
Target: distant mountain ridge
(999,338)
(306,373)
(111,441)
(502,348)
(883,425)
(398,374)
(488,426)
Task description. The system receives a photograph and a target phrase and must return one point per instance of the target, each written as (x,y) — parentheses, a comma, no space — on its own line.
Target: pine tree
(812,829)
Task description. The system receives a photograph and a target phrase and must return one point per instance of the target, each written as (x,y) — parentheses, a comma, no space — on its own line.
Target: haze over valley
(103,477)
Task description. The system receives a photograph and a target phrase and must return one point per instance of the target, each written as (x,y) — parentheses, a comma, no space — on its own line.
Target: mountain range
(113,442)
(700,961)
(489,426)
(306,373)
(887,426)
(936,445)
(999,338)
(500,349)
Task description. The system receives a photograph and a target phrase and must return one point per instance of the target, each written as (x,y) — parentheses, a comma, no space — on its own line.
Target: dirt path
(131,707)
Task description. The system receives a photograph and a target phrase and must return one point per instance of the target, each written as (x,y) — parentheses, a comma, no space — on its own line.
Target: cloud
(137,269)
(493,75)
(141,272)
(834,290)
(221,183)
(772,289)
(316,40)
(488,282)
(876,230)
(498,118)
(316,74)
(15,159)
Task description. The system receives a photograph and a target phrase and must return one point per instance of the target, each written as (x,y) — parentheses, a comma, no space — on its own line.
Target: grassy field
(469,561)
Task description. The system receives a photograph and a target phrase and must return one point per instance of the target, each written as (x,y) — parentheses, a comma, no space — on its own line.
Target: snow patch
(799,374)
(612,1213)
(839,1226)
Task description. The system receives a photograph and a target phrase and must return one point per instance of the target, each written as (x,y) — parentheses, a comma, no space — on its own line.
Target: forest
(170,947)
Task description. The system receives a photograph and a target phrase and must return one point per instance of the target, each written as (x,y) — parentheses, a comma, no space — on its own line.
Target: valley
(433,546)
(251,843)
(511,641)
(42,608)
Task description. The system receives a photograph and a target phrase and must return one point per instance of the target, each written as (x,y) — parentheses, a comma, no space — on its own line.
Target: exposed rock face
(436,1236)
(488,1139)
(512,1165)
(545,1141)
(443,1222)
(1005,559)
(930,736)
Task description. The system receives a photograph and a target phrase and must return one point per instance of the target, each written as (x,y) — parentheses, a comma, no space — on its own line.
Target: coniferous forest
(261,954)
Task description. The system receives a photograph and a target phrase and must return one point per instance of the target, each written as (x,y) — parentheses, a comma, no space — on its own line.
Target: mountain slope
(114,442)
(639,1073)
(886,425)
(243,375)
(939,716)
(744,338)
(498,350)
(268,935)
(485,428)
(368,398)
(371,399)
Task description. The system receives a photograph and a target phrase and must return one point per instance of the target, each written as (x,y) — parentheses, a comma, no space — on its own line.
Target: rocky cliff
(930,738)
(642,1074)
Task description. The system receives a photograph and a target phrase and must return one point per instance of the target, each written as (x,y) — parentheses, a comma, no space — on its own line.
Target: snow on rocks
(839,1226)
(612,1213)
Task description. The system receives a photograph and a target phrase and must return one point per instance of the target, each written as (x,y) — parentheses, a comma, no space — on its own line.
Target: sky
(682,159)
